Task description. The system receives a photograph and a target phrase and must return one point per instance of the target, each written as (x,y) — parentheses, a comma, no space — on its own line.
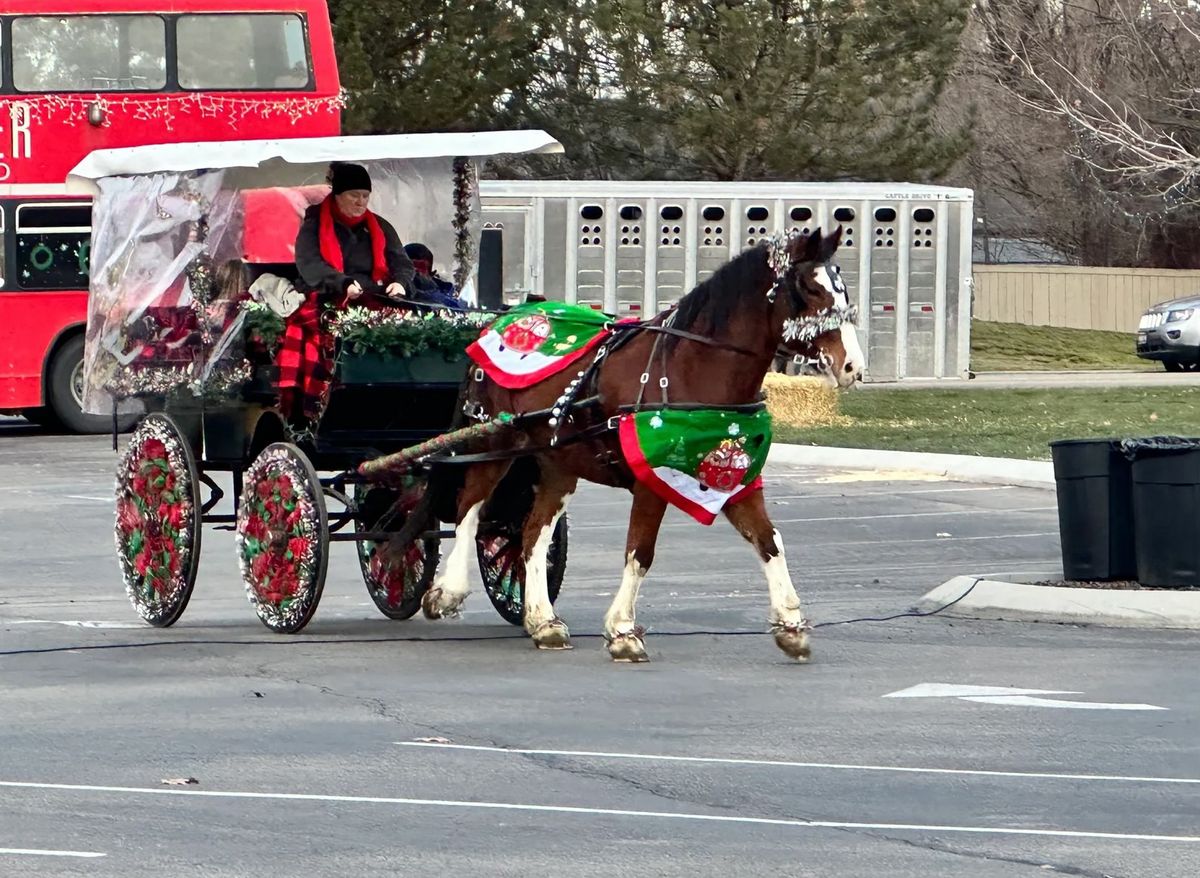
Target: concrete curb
(988,470)
(992,599)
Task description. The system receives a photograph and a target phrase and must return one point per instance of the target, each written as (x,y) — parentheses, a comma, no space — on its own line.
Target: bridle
(808,328)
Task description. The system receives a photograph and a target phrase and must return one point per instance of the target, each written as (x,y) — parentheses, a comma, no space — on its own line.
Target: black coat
(357,258)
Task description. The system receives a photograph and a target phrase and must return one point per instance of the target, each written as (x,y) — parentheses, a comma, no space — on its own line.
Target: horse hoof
(434,607)
(552,634)
(792,638)
(628,647)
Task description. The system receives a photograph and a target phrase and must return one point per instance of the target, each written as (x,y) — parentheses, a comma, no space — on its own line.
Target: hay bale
(801,400)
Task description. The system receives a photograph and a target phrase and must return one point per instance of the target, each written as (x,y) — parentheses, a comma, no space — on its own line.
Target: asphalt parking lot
(370,747)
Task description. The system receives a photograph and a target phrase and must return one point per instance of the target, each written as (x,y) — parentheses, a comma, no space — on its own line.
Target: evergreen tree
(432,65)
(715,89)
(803,90)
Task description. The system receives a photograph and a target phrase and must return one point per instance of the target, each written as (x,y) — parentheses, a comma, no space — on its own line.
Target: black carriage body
(379,404)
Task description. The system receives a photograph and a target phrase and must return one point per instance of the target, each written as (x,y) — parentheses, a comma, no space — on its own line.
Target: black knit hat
(344,177)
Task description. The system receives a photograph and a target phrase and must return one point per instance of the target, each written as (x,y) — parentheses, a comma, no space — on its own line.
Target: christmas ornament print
(725,466)
(527,334)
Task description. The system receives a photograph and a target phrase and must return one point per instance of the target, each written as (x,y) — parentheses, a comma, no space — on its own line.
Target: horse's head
(812,307)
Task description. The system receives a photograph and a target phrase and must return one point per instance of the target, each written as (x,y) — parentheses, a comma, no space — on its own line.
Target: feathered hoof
(433,606)
(552,634)
(628,647)
(792,638)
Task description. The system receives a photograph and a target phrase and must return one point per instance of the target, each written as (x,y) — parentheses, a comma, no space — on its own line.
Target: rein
(648,326)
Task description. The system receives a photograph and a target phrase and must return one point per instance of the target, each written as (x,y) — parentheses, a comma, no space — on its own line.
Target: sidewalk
(976,598)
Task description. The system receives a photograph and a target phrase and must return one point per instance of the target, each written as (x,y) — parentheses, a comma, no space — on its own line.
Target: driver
(344,250)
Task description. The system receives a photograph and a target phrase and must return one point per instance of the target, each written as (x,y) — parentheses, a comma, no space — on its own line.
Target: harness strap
(683,333)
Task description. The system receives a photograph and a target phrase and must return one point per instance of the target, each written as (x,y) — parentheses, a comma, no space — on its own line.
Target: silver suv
(1170,332)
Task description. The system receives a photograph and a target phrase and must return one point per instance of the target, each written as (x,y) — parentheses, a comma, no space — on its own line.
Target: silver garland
(778,251)
(806,329)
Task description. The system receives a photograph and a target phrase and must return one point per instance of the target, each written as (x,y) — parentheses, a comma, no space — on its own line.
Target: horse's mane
(737,284)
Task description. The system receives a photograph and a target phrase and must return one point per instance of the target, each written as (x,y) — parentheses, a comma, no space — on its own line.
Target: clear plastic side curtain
(169,274)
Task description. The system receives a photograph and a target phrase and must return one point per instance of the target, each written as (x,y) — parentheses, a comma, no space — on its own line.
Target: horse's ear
(828,245)
(804,248)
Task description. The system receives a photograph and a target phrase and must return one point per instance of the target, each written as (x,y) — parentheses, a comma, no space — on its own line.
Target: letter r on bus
(21,146)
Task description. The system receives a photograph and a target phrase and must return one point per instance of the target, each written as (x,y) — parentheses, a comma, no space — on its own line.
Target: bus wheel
(64,394)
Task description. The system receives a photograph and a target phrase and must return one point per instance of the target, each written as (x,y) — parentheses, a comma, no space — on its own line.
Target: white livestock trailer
(633,248)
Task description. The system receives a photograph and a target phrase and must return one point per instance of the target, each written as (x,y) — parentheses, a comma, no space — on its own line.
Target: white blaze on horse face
(832,282)
(852,368)
(621,617)
(538,608)
(785,603)
(855,362)
(454,581)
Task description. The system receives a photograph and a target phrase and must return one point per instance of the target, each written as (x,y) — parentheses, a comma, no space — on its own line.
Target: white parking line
(941,514)
(856,494)
(952,539)
(33,852)
(607,812)
(772,497)
(778,763)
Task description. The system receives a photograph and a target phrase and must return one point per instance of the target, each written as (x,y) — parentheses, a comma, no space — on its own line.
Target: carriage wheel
(283,537)
(397,576)
(158,520)
(500,550)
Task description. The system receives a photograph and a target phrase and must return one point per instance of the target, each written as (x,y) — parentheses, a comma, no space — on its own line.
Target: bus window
(53,246)
(235,51)
(89,53)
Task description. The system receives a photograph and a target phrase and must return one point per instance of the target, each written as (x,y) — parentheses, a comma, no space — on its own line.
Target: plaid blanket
(305,364)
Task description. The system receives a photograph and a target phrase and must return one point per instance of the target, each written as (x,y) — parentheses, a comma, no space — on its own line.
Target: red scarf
(331,250)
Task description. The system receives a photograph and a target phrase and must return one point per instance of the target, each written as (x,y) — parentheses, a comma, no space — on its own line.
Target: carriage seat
(280,297)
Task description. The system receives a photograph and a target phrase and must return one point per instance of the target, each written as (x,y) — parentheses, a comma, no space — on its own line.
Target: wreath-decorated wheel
(499,546)
(283,537)
(158,520)
(397,576)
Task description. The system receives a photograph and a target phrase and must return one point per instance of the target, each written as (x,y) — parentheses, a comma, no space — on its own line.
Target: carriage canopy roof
(303,151)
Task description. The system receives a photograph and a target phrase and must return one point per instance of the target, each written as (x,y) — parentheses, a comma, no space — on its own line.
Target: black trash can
(1166,510)
(1095,509)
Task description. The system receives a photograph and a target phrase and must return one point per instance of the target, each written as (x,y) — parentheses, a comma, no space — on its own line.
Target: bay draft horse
(783,295)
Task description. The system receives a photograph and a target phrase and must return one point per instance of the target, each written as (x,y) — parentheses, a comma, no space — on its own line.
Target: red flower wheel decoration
(158,520)
(397,576)
(282,538)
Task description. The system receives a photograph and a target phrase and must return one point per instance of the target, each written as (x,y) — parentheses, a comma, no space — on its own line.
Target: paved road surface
(717,758)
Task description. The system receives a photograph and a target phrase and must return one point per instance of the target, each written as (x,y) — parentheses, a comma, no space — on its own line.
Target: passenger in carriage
(426,285)
(344,250)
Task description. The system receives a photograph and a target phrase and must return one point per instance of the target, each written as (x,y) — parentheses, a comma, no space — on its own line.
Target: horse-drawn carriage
(185,235)
(416,432)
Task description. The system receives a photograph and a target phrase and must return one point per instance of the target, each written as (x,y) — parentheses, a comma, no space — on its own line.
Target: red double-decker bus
(80,75)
